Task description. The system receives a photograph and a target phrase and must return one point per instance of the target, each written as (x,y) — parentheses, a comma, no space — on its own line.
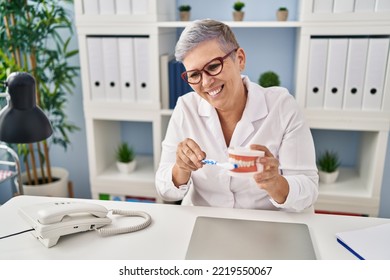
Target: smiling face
(225,90)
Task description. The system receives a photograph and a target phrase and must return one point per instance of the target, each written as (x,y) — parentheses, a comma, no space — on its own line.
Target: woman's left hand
(270,179)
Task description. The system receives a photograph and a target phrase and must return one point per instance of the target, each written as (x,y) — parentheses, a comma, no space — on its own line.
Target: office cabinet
(326,34)
(119,44)
(360,31)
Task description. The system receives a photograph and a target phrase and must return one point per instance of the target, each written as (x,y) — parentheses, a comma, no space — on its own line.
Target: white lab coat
(271,118)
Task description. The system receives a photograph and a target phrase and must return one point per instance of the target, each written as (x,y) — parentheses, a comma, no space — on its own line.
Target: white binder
(164,79)
(127,69)
(364,6)
(316,73)
(382,6)
(107,7)
(355,72)
(91,7)
(123,7)
(335,74)
(140,7)
(142,60)
(111,68)
(378,52)
(323,6)
(343,6)
(95,63)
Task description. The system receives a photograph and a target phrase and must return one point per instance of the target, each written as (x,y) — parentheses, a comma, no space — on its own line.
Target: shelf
(138,183)
(238,24)
(120,112)
(358,206)
(166,112)
(348,184)
(144,172)
(347,120)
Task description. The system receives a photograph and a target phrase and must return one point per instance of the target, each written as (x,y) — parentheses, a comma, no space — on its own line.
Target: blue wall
(267,49)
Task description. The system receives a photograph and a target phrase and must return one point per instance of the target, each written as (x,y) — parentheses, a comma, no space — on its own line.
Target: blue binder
(177,86)
(172,83)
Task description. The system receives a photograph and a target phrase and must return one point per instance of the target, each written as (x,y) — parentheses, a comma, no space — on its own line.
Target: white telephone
(54,219)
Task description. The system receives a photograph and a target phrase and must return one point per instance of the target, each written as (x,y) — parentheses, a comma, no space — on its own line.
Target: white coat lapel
(212,121)
(256,109)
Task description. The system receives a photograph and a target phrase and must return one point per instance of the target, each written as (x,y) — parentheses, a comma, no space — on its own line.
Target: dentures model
(246,161)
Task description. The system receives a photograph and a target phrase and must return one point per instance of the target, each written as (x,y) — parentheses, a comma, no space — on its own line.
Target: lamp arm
(17,162)
(6,96)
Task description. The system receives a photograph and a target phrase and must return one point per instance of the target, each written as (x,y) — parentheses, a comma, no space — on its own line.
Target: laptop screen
(224,239)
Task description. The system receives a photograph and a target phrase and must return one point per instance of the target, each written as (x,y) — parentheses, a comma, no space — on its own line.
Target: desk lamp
(21,120)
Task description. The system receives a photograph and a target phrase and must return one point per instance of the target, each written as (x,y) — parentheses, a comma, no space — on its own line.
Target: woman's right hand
(188,159)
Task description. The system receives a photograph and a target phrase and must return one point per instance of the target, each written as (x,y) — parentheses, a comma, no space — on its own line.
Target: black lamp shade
(22,121)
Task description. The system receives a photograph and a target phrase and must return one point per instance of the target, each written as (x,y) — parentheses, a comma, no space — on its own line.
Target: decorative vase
(185,16)
(57,188)
(328,178)
(126,167)
(238,16)
(282,15)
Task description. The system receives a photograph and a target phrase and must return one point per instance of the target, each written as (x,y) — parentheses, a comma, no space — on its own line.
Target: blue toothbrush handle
(209,161)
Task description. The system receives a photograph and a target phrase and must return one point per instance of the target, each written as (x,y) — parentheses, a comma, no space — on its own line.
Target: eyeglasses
(212,68)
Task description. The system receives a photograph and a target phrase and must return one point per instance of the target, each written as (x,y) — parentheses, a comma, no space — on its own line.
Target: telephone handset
(55,219)
(55,212)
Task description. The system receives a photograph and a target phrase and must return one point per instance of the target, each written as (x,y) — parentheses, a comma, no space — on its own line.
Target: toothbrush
(226,165)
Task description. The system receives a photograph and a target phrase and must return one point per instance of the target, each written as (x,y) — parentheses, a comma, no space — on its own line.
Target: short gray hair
(205,30)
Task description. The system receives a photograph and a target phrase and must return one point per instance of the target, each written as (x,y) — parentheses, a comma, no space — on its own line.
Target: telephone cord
(120,230)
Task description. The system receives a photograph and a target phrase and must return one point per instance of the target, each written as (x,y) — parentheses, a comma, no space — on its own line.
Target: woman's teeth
(215,92)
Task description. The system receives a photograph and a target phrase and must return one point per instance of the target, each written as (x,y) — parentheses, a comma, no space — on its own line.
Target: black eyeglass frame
(221,59)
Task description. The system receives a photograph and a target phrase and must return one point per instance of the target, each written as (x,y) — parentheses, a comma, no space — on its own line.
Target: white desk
(168,236)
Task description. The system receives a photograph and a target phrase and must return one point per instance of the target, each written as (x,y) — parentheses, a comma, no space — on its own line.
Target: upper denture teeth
(242,163)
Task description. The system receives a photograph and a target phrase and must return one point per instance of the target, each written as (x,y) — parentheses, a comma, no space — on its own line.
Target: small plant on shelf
(328,161)
(328,165)
(282,14)
(125,153)
(184,8)
(238,14)
(184,12)
(238,6)
(125,158)
(269,79)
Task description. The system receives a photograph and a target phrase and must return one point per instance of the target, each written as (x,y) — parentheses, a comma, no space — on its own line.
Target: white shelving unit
(358,188)
(104,117)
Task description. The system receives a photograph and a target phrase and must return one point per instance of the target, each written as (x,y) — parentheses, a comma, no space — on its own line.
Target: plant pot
(238,16)
(328,178)
(185,16)
(57,188)
(126,167)
(281,15)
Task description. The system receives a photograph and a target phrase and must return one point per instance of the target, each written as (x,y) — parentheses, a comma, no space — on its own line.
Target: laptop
(235,239)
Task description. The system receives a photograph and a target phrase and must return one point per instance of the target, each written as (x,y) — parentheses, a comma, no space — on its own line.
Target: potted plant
(185,12)
(282,14)
(328,164)
(35,38)
(125,158)
(269,79)
(238,14)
